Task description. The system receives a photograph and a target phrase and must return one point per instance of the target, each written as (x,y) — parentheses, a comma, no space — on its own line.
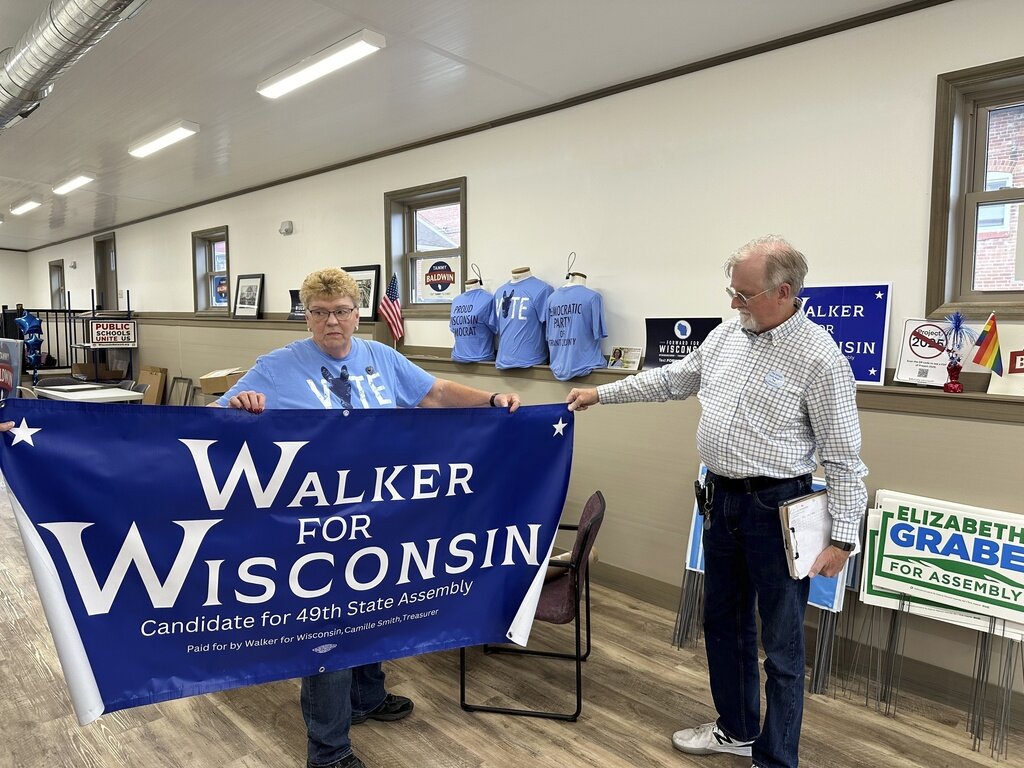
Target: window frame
(202,258)
(958,167)
(400,207)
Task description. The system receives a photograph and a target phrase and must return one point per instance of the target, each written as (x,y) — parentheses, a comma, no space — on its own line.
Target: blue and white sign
(857,316)
(673,338)
(217,548)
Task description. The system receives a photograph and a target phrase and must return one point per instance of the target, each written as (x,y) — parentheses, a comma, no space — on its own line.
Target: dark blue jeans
(328,702)
(745,562)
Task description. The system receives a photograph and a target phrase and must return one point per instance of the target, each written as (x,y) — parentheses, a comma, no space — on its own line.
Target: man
(774,391)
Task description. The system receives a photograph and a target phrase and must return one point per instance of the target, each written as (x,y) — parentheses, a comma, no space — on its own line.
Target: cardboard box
(156,378)
(219,382)
(97,372)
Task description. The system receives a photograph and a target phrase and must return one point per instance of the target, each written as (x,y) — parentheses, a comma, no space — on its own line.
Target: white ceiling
(448,65)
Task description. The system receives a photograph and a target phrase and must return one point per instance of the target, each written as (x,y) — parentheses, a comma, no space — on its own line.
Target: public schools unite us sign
(180,551)
(966,558)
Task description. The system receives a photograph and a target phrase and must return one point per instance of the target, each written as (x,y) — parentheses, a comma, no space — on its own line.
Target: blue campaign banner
(857,316)
(180,551)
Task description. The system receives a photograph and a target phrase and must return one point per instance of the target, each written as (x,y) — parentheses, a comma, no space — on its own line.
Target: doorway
(57,295)
(106,271)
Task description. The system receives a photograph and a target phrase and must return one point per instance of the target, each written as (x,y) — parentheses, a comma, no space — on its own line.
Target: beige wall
(14,280)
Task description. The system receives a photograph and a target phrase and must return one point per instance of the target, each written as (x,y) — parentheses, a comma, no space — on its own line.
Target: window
(425,236)
(976,253)
(212,277)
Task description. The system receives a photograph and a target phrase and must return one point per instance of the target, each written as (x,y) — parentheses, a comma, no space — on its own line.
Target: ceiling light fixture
(334,57)
(172,134)
(80,179)
(29,204)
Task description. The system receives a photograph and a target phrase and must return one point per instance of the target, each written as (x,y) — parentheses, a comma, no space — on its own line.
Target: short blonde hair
(330,283)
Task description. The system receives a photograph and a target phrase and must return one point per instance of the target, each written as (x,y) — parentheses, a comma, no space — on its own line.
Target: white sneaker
(708,739)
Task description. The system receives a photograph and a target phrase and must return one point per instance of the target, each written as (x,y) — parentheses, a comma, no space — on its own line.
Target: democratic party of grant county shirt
(519,310)
(300,375)
(574,329)
(769,401)
(473,324)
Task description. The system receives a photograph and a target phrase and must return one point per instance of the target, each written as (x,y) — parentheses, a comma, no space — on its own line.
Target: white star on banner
(23,434)
(879,295)
(559,427)
(872,371)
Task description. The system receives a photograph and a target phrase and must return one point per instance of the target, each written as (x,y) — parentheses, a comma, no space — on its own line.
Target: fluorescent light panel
(25,206)
(78,180)
(352,48)
(172,134)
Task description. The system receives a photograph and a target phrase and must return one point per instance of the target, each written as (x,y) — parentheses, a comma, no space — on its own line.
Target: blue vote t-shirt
(574,328)
(520,314)
(300,375)
(473,324)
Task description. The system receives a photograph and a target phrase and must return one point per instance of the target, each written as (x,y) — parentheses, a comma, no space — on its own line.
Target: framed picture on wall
(368,280)
(249,296)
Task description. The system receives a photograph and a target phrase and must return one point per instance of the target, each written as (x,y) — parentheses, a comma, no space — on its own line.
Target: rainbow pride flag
(987,347)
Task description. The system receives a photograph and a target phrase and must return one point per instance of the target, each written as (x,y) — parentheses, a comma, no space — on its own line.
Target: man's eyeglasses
(321,315)
(744,300)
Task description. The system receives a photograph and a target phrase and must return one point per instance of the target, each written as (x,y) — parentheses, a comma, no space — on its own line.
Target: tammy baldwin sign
(966,558)
(179,551)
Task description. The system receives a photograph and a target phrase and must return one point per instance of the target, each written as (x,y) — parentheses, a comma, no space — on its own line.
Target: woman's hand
(253,402)
(4,426)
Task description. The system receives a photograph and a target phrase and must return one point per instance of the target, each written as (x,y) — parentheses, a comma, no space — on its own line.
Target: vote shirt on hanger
(574,329)
(519,309)
(473,324)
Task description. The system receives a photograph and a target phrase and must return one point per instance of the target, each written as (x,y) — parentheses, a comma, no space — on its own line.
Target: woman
(334,369)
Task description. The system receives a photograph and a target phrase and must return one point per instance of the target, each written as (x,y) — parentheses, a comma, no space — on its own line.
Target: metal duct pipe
(59,37)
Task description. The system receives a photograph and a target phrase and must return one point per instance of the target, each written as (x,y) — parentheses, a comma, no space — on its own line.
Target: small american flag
(391,309)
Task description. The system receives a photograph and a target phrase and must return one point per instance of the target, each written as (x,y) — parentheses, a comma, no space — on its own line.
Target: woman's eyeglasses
(322,314)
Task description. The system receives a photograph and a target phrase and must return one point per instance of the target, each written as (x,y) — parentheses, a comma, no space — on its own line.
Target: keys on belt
(705,494)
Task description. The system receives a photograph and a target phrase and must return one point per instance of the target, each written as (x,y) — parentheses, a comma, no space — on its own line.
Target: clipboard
(806,531)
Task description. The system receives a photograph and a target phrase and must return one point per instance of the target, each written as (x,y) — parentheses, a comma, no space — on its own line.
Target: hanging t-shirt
(473,324)
(574,328)
(520,314)
(300,375)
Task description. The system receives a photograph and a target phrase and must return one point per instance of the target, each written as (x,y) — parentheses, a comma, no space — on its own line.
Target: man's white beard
(748,323)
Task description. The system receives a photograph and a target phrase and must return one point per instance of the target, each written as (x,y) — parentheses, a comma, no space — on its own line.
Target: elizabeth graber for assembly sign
(966,558)
(181,551)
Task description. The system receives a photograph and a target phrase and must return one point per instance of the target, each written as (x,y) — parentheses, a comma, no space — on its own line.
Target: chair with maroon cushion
(559,604)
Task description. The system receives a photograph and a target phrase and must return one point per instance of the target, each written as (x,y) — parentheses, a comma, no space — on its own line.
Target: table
(89,393)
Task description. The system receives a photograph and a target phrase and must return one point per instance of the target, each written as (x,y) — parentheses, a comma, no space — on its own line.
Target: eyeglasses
(321,315)
(744,300)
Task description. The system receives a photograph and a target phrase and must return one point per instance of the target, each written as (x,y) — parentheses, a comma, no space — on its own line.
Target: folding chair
(559,604)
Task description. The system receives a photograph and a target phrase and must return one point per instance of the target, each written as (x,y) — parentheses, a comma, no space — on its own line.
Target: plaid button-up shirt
(769,402)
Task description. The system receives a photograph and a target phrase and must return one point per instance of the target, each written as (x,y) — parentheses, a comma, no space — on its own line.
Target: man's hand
(829,563)
(581,399)
(508,400)
(4,426)
(253,402)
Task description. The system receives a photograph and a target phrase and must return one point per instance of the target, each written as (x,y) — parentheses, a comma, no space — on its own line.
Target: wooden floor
(638,690)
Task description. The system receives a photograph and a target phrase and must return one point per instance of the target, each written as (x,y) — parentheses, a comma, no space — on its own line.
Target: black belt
(751,484)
